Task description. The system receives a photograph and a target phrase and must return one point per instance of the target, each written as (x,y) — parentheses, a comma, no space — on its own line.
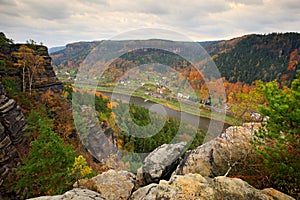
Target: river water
(213,127)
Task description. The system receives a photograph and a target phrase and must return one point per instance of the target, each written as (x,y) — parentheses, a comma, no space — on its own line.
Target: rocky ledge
(199,175)
(118,185)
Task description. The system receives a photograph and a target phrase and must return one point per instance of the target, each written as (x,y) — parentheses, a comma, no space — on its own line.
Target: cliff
(14,146)
(12,140)
(44,77)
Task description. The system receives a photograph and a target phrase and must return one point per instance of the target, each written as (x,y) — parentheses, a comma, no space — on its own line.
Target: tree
(45,171)
(80,169)
(279,138)
(30,61)
(244,100)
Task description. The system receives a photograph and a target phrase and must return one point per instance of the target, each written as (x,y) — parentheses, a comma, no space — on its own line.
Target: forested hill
(258,57)
(245,59)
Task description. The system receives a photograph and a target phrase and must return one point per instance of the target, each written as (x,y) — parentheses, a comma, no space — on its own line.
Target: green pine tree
(45,171)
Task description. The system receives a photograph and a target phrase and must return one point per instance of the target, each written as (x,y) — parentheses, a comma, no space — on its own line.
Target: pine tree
(45,171)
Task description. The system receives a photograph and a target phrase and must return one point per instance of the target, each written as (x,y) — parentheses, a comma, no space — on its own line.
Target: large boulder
(195,186)
(112,184)
(160,163)
(75,194)
(218,156)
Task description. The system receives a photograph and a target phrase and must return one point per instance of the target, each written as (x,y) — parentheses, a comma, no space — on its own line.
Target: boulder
(195,186)
(160,163)
(75,194)
(218,156)
(111,184)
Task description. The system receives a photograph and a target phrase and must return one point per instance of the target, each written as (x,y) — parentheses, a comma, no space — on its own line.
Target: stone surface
(276,194)
(98,139)
(194,186)
(75,194)
(160,163)
(12,126)
(111,184)
(215,157)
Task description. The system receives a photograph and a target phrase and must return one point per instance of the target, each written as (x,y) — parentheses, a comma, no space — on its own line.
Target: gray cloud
(58,22)
(247,2)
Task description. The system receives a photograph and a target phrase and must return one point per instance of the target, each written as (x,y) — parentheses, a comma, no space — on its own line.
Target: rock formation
(118,185)
(195,186)
(97,139)
(12,125)
(160,163)
(218,156)
(44,77)
(111,184)
(75,194)
(12,122)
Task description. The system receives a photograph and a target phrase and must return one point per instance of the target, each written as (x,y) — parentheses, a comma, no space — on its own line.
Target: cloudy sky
(58,22)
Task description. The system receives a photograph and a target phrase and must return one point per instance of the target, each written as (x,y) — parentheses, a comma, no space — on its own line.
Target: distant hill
(55,49)
(244,59)
(258,57)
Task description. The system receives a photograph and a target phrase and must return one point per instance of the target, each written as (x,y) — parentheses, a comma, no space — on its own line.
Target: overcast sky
(58,22)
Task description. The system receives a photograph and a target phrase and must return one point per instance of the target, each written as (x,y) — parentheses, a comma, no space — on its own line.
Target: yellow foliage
(80,167)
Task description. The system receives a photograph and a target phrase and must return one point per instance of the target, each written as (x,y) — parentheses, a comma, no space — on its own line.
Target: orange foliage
(294,60)
(59,110)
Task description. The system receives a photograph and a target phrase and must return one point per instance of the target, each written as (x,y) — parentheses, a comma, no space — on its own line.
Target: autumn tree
(245,100)
(80,169)
(29,61)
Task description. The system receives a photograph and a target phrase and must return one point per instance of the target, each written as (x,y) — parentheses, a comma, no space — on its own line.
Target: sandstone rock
(97,139)
(75,194)
(12,126)
(234,188)
(160,163)
(111,184)
(276,194)
(215,157)
(194,186)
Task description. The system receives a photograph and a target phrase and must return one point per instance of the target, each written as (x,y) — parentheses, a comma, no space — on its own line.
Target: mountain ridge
(242,59)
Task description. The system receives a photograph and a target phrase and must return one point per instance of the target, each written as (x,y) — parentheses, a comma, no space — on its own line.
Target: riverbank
(204,111)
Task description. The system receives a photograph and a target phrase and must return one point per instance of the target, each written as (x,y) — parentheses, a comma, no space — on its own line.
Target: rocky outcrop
(114,186)
(111,184)
(191,184)
(160,163)
(75,194)
(12,126)
(44,77)
(195,186)
(97,138)
(218,156)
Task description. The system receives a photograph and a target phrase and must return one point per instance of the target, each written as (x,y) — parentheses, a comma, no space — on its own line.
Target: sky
(59,22)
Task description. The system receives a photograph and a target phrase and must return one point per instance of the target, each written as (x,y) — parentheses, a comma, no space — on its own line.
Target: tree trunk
(23,76)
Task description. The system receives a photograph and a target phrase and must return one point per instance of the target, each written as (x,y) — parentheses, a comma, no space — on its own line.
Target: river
(213,126)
